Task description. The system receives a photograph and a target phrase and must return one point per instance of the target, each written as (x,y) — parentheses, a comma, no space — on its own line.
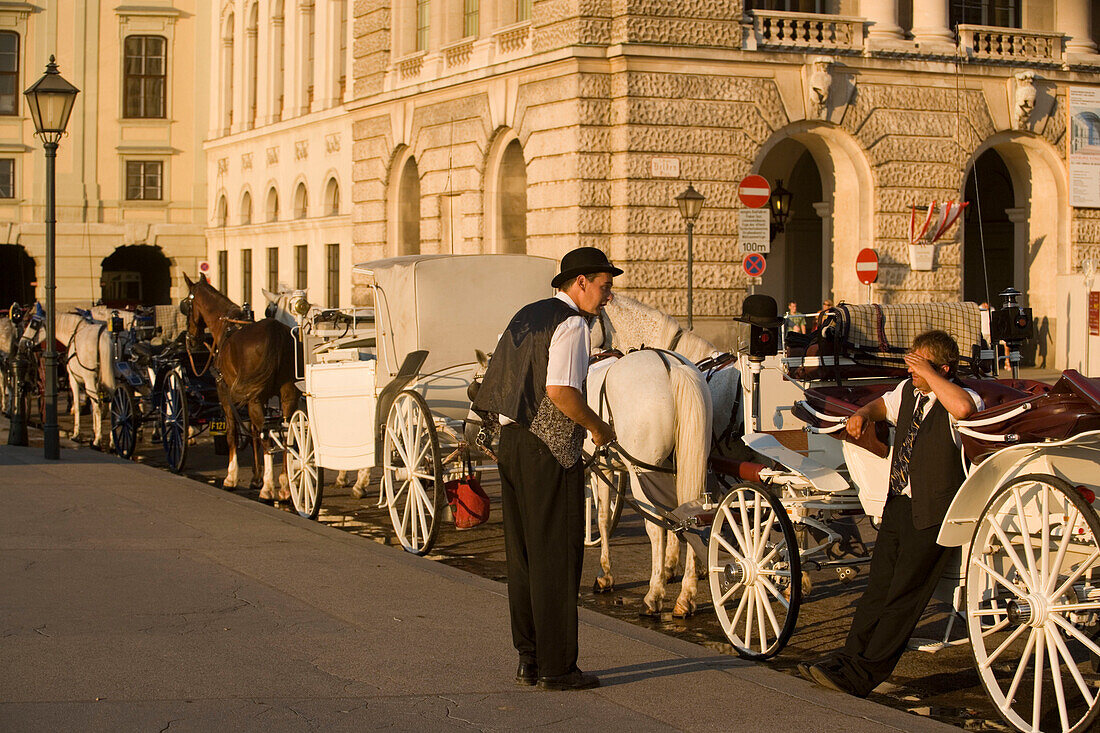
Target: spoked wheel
(1032,599)
(305,477)
(412,474)
(174,420)
(124,422)
(9,390)
(593,484)
(752,557)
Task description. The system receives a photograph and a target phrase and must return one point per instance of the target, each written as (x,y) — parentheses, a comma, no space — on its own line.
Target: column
(883,16)
(1074,19)
(930,26)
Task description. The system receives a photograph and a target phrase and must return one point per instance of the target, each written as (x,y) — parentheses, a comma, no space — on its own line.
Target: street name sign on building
(867,266)
(754,265)
(754,230)
(664,167)
(754,191)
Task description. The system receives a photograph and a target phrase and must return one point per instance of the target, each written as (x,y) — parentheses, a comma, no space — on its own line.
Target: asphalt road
(943,686)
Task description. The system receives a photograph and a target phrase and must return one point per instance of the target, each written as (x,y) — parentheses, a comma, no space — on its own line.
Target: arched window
(251,36)
(9,73)
(512,204)
(227,73)
(332,198)
(246,208)
(221,213)
(144,77)
(408,231)
(301,202)
(272,208)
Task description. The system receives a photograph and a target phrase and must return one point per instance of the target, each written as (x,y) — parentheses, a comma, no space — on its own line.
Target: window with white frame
(9,73)
(144,77)
(144,180)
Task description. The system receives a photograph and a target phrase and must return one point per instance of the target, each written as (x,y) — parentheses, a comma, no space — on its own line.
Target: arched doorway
(136,275)
(16,275)
(408,209)
(990,260)
(512,201)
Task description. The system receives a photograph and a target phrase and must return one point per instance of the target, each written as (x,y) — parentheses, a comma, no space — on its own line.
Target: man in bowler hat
(534,393)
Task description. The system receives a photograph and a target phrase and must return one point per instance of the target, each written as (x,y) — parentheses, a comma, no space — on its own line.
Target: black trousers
(543,506)
(905,568)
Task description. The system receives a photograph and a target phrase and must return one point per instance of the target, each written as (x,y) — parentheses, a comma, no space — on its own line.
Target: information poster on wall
(1094,313)
(1084,147)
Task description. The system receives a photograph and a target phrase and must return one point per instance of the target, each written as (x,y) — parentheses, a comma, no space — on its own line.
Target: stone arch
(505,185)
(271,205)
(17,275)
(138,274)
(221,210)
(301,201)
(246,207)
(1040,217)
(845,177)
(403,204)
(332,197)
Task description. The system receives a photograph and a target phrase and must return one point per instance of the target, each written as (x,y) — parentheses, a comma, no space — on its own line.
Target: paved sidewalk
(135,600)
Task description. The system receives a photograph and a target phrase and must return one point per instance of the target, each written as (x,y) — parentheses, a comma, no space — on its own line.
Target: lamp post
(50,100)
(780,205)
(690,203)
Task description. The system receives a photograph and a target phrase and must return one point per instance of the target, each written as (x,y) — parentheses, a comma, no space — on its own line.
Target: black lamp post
(690,203)
(50,100)
(780,205)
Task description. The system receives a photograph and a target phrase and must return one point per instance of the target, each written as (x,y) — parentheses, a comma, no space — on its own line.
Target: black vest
(935,468)
(515,380)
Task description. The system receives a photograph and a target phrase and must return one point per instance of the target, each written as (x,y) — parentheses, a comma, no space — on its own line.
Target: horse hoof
(229,487)
(597,587)
(268,501)
(681,612)
(649,613)
(357,492)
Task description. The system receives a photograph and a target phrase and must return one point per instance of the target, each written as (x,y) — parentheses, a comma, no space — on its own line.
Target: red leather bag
(469,502)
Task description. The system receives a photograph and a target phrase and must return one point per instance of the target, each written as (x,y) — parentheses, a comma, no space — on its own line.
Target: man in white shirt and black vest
(925,472)
(533,390)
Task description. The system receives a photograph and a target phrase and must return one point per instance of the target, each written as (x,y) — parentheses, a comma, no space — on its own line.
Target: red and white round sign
(867,266)
(204,266)
(754,191)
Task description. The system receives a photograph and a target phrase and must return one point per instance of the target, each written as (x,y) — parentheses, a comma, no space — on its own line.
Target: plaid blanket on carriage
(884,332)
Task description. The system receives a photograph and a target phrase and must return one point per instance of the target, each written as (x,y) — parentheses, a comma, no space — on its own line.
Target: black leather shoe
(803,669)
(575,680)
(826,679)
(527,673)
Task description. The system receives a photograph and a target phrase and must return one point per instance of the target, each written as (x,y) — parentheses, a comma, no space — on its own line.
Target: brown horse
(254,361)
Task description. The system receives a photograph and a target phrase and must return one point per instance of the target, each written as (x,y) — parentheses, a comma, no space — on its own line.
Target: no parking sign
(754,264)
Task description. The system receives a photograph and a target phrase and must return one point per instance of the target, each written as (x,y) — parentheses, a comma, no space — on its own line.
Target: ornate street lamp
(50,100)
(780,205)
(690,203)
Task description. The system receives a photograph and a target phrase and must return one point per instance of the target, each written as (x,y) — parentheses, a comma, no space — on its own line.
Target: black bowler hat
(760,310)
(583,261)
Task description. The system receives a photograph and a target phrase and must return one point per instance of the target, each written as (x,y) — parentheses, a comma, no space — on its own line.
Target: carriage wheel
(1032,589)
(592,484)
(411,472)
(174,420)
(305,477)
(752,557)
(124,422)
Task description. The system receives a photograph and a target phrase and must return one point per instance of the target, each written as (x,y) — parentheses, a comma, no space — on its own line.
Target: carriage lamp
(299,306)
(690,203)
(780,204)
(50,101)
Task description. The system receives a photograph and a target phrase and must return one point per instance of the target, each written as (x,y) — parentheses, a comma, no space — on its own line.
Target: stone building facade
(538,126)
(278,154)
(130,196)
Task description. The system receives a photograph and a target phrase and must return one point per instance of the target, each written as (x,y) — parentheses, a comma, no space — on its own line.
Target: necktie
(899,474)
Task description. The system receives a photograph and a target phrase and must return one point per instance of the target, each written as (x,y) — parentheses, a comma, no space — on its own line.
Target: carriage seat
(1070,407)
(147,350)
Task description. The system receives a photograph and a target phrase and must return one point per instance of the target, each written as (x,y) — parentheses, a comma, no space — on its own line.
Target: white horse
(626,323)
(660,407)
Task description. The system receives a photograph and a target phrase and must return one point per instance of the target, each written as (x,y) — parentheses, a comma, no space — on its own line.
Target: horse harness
(664,355)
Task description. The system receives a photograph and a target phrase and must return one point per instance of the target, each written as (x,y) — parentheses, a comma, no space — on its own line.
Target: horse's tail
(693,423)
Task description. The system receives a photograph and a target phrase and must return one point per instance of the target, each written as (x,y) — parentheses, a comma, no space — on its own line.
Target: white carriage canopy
(450,305)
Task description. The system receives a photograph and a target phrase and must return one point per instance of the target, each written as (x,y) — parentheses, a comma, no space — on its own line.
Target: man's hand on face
(920,366)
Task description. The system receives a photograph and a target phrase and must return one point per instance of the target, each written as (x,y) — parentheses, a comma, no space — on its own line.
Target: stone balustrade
(1010,44)
(778,30)
(458,54)
(514,38)
(410,66)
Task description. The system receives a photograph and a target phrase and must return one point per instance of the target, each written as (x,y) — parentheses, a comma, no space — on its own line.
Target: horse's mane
(635,324)
(216,300)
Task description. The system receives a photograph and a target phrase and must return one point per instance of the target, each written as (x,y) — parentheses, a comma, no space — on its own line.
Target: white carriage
(1027,583)
(388,388)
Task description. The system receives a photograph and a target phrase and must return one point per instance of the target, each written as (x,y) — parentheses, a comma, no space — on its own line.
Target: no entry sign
(754,191)
(754,264)
(867,266)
